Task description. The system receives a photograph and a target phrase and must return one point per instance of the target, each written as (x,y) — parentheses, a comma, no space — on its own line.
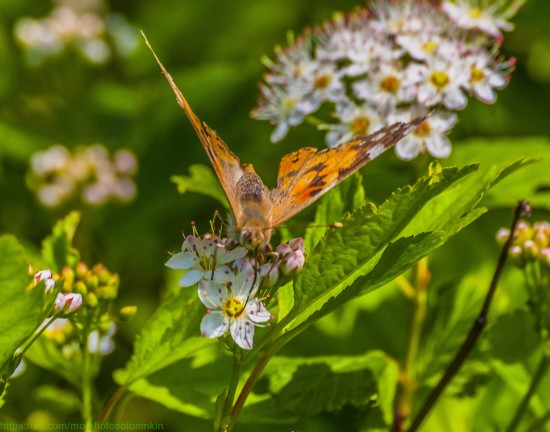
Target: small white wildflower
(430,136)
(353,120)
(476,14)
(204,258)
(232,306)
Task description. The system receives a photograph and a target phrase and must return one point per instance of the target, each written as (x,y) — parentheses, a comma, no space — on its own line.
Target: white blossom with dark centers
(205,258)
(394,56)
(232,306)
(430,137)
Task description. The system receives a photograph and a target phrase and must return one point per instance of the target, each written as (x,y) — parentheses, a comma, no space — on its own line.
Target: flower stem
(247,388)
(37,334)
(408,381)
(231,393)
(475,330)
(524,405)
(111,402)
(86,384)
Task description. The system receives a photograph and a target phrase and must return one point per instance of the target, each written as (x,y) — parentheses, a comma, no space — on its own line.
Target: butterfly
(304,175)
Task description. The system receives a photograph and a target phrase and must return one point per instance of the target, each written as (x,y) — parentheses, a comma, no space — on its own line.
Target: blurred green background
(212,49)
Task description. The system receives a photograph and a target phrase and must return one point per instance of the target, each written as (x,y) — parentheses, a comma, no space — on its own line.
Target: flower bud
(516,253)
(530,250)
(502,235)
(283,249)
(293,262)
(91,300)
(81,270)
(270,274)
(80,287)
(46,277)
(297,244)
(126,313)
(68,302)
(524,231)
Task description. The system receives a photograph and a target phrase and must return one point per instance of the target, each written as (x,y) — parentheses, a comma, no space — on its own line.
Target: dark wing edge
(311,181)
(228,169)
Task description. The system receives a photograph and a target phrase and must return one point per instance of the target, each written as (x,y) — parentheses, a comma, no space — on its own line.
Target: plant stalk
(476,329)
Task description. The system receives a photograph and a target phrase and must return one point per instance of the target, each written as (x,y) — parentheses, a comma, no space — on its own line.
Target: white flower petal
(438,146)
(214,325)
(242,332)
(455,99)
(280,132)
(408,148)
(191,277)
(180,261)
(257,313)
(212,294)
(485,93)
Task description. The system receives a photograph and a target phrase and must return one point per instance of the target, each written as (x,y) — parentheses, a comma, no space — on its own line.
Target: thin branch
(521,209)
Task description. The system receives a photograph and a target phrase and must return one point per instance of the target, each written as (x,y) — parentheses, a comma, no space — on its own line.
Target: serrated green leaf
(188,386)
(346,197)
(57,248)
(203,181)
(308,386)
(442,202)
(21,310)
(169,336)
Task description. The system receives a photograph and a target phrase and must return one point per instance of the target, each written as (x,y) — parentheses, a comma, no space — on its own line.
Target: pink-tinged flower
(485,77)
(477,15)
(269,273)
(232,307)
(45,276)
(67,302)
(430,137)
(205,258)
(293,262)
(545,256)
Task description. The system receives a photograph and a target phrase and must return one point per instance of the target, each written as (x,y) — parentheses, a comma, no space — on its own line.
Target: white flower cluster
(230,283)
(83,25)
(393,62)
(56,175)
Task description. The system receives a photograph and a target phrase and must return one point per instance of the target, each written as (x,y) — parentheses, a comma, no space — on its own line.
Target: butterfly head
(255,237)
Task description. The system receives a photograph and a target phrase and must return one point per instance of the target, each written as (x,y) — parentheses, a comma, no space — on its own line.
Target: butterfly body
(303,177)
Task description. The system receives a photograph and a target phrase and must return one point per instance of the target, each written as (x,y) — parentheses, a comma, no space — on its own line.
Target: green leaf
(188,386)
(170,335)
(423,216)
(346,197)
(203,181)
(308,386)
(533,183)
(21,310)
(56,248)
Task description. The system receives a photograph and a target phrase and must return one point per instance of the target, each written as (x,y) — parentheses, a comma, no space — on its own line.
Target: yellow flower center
(360,126)
(439,79)
(430,47)
(233,308)
(390,84)
(477,74)
(475,13)
(423,130)
(322,81)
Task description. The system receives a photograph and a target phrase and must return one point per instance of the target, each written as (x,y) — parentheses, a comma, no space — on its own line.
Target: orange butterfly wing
(226,164)
(307,174)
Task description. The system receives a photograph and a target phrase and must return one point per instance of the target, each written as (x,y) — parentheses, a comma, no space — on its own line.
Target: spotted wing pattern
(307,174)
